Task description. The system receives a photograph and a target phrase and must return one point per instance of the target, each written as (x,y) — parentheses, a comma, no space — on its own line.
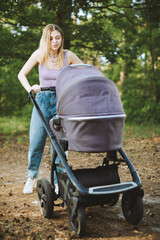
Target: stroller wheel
(132,207)
(77,219)
(45,197)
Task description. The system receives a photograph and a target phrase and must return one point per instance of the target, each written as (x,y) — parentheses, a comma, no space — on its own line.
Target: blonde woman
(51,58)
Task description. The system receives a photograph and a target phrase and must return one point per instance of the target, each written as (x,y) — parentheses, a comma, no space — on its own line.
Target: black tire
(132,207)
(78,221)
(114,200)
(45,198)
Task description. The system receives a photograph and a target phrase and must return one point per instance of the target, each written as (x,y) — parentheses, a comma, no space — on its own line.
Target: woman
(51,58)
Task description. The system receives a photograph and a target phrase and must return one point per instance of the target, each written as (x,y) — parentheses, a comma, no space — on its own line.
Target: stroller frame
(76,196)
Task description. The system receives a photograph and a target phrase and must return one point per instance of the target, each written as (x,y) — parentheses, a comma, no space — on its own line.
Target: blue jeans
(47,103)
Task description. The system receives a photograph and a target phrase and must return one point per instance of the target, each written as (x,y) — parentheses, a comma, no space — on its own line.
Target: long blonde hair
(44,44)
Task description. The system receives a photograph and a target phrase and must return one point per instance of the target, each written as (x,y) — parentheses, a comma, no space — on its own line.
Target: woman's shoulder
(36,56)
(68,52)
(72,58)
(36,53)
(65,51)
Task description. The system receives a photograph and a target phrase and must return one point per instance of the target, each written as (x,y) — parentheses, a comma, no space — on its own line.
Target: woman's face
(55,40)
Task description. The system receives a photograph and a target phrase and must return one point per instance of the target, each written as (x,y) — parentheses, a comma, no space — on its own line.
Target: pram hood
(85,92)
(89,110)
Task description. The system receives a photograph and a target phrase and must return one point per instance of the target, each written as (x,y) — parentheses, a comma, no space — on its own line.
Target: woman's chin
(54,48)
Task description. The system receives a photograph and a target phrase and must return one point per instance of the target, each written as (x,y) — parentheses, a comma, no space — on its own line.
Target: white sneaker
(56,188)
(28,188)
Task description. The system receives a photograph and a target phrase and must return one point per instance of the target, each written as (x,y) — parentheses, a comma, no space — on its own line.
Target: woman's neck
(53,52)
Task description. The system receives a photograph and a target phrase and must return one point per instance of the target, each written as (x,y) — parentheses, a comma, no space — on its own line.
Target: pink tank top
(47,77)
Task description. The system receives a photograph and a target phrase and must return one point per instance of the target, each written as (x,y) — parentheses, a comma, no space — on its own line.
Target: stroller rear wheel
(132,207)
(77,219)
(45,197)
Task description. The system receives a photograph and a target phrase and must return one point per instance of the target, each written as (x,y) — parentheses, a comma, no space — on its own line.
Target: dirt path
(20,217)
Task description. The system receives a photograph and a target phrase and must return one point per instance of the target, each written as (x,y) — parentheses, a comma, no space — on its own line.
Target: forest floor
(20,217)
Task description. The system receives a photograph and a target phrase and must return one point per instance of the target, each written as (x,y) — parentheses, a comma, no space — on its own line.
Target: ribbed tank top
(48,77)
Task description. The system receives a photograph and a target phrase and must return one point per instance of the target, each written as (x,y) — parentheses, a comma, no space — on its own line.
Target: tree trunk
(154,79)
(65,22)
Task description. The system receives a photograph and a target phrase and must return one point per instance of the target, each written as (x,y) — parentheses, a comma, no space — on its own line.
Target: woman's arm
(72,58)
(28,66)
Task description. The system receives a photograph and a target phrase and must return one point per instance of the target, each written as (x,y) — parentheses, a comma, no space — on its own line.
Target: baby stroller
(90,118)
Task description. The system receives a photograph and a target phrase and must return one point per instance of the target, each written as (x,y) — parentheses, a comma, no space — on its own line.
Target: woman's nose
(54,40)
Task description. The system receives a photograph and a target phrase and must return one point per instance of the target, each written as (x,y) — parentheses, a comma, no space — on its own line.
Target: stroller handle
(48,88)
(31,93)
(80,65)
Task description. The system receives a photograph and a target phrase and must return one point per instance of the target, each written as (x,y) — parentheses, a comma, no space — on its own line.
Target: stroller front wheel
(77,219)
(132,207)
(45,197)
(114,200)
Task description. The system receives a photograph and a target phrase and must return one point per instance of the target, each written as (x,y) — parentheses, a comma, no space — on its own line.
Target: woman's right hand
(36,88)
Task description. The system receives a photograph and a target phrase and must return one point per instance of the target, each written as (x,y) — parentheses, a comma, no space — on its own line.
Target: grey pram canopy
(90,110)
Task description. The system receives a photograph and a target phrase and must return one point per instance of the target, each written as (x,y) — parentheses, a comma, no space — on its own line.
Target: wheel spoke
(44,197)
(78,220)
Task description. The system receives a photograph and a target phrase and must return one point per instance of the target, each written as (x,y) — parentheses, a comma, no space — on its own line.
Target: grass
(148,130)
(14,125)
(14,129)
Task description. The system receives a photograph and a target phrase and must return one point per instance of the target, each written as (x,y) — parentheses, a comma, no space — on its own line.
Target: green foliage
(13,98)
(139,98)
(114,71)
(101,41)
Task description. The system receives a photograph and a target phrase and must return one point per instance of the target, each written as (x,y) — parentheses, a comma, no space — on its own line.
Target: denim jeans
(47,103)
